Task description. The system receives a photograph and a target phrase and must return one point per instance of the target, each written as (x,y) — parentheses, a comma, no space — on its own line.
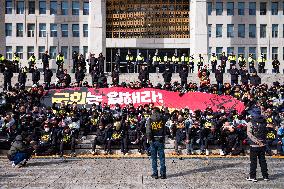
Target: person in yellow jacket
(16,61)
(261,63)
(213,61)
(32,62)
(129,60)
(232,59)
(175,61)
(59,60)
(139,62)
(157,62)
(251,63)
(167,64)
(242,61)
(2,61)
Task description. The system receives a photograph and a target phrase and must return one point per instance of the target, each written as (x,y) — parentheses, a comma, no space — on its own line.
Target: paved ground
(134,173)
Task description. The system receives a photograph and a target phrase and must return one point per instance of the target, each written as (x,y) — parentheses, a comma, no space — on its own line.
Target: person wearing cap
(242,61)
(261,63)
(157,62)
(16,61)
(175,61)
(251,63)
(213,60)
(139,62)
(129,60)
(32,61)
(256,132)
(167,75)
(232,59)
(156,133)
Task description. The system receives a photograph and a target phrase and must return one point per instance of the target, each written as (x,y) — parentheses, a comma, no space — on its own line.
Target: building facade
(167,26)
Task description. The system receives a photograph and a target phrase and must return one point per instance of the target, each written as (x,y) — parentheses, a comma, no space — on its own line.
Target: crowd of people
(31,128)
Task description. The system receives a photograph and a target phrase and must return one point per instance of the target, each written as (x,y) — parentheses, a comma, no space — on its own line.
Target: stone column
(198,28)
(2,31)
(97,27)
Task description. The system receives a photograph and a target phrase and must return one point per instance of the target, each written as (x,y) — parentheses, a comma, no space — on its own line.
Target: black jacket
(255,80)
(36,76)
(67,79)
(22,77)
(183,74)
(244,76)
(79,75)
(219,76)
(155,127)
(167,76)
(234,74)
(45,58)
(8,74)
(95,76)
(143,75)
(47,75)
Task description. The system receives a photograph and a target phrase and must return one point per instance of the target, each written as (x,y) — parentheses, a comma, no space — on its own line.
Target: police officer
(223,59)
(191,64)
(256,132)
(175,61)
(117,61)
(232,59)
(242,61)
(60,60)
(261,63)
(8,74)
(157,62)
(200,62)
(184,61)
(251,63)
(139,62)
(276,64)
(45,60)
(213,60)
(31,61)
(2,60)
(16,61)
(129,60)
(156,132)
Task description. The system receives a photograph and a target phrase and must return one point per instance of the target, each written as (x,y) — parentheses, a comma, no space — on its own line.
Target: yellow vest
(32,59)
(140,58)
(16,58)
(2,58)
(60,58)
(129,57)
(260,59)
(213,58)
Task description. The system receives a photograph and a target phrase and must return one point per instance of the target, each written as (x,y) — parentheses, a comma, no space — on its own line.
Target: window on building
(241,51)
(252,51)
(20,7)
(53,7)
(252,8)
(209,30)
(85,50)
(53,30)
(86,8)
(252,31)
(230,30)
(30,51)
(219,30)
(20,30)
(75,7)
(75,30)
(64,7)
(42,30)
(75,48)
(31,7)
(274,30)
(8,29)
(230,8)
(31,30)
(64,30)
(263,8)
(241,31)
(209,8)
(219,8)
(8,7)
(52,52)
(274,8)
(274,52)
(19,50)
(262,30)
(41,51)
(9,52)
(209,52)
(263,50)
(42,7)
(230,50)
(85,30)
(241,8)
(219,51)
(64,51)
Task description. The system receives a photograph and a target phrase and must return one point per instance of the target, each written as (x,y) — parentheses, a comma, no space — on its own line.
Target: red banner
(123,96)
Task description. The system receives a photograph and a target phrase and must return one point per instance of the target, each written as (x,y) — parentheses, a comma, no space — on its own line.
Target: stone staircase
(154,78)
